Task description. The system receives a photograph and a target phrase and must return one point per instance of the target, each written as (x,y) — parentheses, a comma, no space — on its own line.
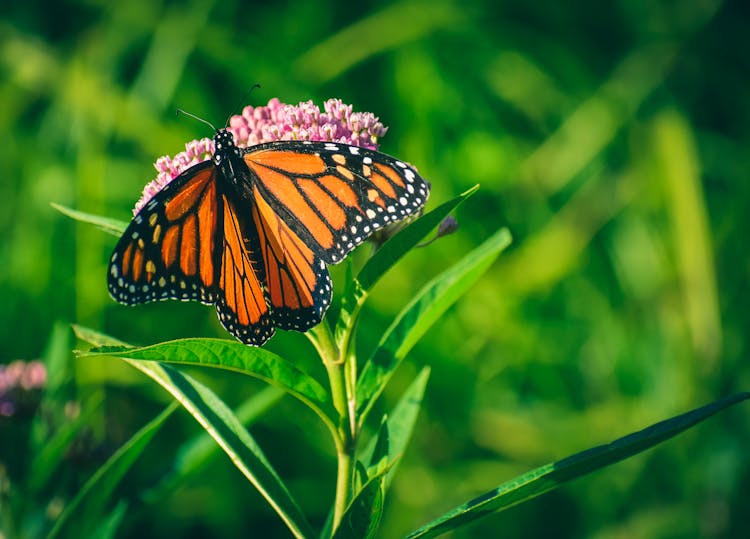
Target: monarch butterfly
(252,230)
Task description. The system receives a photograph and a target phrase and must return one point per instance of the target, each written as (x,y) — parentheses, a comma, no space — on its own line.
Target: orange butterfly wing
(254,235)
(332,195)
(298,283)
(243,304)
(186,243)
(167,251)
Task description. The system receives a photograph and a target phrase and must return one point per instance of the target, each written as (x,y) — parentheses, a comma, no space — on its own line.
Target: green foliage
(551,476)
(236,357)
(610,138)
(90,500)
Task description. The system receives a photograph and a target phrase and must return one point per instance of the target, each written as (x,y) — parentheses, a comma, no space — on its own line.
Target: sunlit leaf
(551,476)
(237,357)
(224,427)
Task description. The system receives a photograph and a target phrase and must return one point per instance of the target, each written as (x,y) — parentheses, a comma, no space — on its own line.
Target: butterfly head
(223,144)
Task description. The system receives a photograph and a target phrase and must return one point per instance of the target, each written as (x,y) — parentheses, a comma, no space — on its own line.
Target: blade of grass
(109,525)
(224,427)
(553,475)
(90,500)
(420,314)
(50,455)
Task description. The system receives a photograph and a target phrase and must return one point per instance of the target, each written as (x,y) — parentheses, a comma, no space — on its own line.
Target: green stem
(341,393)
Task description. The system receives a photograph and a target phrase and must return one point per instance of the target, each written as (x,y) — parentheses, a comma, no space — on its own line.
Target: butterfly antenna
(180,111)
(253,87)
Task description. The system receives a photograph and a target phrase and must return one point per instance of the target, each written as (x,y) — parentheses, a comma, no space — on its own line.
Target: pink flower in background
(19,381)
(276,121)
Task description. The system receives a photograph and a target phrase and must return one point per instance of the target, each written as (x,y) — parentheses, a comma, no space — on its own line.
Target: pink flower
(275,121)
(20,384)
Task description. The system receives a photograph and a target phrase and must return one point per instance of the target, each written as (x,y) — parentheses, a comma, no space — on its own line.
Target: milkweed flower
(337,122)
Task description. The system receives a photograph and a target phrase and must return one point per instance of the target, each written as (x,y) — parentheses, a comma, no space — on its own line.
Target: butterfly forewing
(334,195)
(167,251)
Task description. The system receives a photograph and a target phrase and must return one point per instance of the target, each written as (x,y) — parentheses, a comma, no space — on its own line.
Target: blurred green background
(610,137)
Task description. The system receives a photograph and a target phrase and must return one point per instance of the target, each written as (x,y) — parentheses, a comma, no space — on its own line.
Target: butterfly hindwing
(242,304)
(298,283)
(334,195)
(168,249)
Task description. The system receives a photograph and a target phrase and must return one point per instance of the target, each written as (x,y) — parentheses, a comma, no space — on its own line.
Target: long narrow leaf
(223,426)
(420,314)
(97,338)
(235,356)
(361,518)
(552,476)
(400,425)
(234,439)
(89,502)
(194,454)
(107,224)
(400,244)
(109,525)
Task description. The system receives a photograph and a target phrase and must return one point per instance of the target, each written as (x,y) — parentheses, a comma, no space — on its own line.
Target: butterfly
(253,230)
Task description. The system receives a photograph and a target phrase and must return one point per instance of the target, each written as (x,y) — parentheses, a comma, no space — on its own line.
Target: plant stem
(336,366)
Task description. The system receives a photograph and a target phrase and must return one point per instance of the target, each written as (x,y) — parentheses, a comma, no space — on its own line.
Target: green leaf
(400,425)
(420,314)
(235,356)
(51,453)
(109,525)
(361,518)
(194,454)
(385,258)
(379,452)
(395,248)
(224,427)
(88,504)
(551,476)
(97,338)
(107,224)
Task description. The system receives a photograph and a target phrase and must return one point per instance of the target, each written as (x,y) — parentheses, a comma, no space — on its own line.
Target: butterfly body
(253,229)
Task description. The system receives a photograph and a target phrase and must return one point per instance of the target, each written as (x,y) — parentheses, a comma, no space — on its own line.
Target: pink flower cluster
(275,121)
(16,379)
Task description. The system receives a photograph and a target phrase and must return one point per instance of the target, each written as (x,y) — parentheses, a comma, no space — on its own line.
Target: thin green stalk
(342,391)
